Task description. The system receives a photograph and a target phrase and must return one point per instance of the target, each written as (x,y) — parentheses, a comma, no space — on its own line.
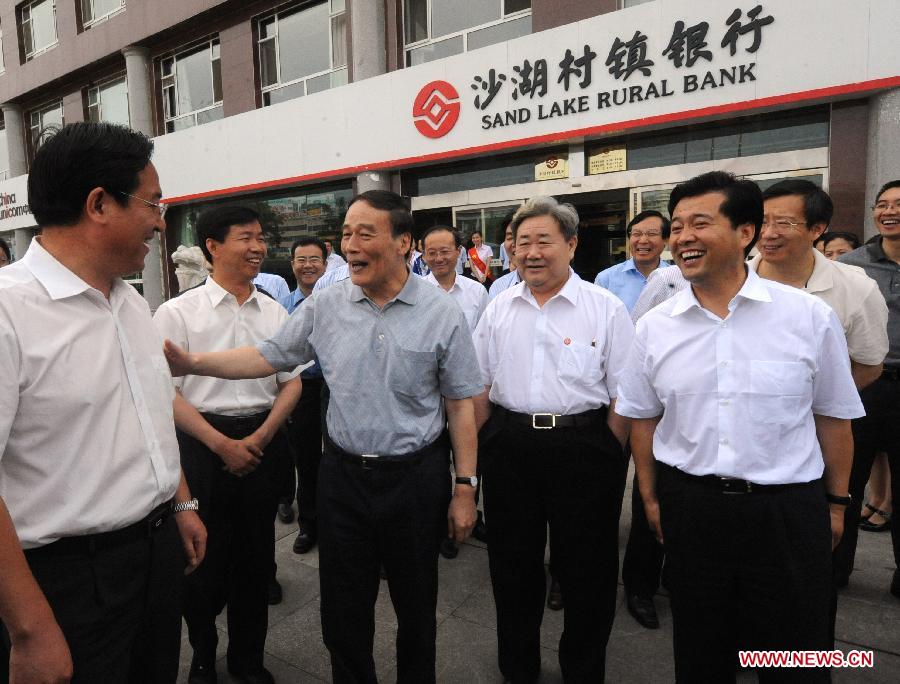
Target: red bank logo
(436,109)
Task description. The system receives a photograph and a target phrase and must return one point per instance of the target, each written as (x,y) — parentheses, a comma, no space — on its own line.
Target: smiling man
(234,456)
(740,389)
(397,355)
(92,499)
(441,248)
(880,429)
(550,350)
(647,235)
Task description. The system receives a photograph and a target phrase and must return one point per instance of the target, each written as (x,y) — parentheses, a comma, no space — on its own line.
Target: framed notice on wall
(552,167)
(608,160)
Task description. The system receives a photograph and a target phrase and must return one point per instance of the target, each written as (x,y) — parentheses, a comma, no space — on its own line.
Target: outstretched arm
(232,364)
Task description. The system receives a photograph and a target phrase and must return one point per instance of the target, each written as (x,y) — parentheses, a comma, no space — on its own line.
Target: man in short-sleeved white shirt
(740,388)
(441,245)
(551,349)
(234,455)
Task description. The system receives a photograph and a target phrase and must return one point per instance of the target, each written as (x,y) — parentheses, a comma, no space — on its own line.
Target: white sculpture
(191,266)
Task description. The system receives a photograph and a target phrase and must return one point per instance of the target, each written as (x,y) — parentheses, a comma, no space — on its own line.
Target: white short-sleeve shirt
(469,294)
(208,318)
(562,358)
(737,396)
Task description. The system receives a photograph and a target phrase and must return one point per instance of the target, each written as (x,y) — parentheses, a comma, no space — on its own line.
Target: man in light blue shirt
(647,235)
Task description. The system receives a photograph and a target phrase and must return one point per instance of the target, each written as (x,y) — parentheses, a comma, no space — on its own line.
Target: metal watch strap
(192,505)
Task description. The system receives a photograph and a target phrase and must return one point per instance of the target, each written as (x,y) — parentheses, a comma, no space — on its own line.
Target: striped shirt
(662,284)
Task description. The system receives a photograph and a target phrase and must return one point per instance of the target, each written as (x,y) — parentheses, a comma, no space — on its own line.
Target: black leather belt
(548,421)
(236,423)
(384,461)
(89,543)
(891,373)
(733,485)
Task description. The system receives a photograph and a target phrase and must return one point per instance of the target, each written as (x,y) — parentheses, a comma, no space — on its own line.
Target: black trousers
(239,514)
(372,516)
(305,436)
(878,430)
(644,556)
(119,607)
(745,572)
(572,479)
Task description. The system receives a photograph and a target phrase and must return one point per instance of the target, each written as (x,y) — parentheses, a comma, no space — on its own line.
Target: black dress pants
(368,516)
(878,430)
(118,606)
(305,436)
(572,479)
(644,556)
(239,514)
(745,572)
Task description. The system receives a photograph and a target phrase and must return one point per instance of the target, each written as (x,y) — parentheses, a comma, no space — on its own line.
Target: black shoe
(643,610)
(275,593)
(480,530)
(285,513)
(449,549)
(554,596)
(202,673)
(306,537)
(895,584)
(260,676)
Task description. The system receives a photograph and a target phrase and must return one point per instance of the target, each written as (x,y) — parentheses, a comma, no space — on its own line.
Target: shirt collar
(434,281)
(217,294)
(821,278)
(753,288)
(876,250)
(408,294)
(569,291)
(57,279)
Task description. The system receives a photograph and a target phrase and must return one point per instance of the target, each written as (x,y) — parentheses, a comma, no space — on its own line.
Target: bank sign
(653,65)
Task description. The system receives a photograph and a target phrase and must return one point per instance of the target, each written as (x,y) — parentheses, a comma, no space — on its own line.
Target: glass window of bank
(434,29)
(96,11)
(286,215)
(42,121)
(109,102)
(191,82)
(302,50)
(38,20)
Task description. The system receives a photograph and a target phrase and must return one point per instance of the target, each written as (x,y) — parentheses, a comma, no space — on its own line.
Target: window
(40,119)
(303,51)
(38,27)
(192,87)
(109,102)
(632,3)
(434,29)
(95,11)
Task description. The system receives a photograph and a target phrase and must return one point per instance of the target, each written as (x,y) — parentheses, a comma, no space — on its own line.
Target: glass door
(486,219)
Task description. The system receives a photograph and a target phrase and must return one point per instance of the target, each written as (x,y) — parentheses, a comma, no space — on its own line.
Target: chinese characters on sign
(607,160)
(629,60)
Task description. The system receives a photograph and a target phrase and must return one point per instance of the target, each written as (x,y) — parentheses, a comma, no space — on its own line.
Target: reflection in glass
(193,77)
(499,33)
(415,17)
(429,53)
(450,16)
(303,42)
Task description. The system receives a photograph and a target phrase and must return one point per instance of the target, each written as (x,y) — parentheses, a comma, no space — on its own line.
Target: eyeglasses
(312,261)
(884,204)
(442,254)
(645,233)
(781,225)
(160,207)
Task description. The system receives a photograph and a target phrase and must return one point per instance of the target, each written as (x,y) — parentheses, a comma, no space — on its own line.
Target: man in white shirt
(441,247)
(550,351)
(88,459)
(334,260)
(741,390)
(234,455)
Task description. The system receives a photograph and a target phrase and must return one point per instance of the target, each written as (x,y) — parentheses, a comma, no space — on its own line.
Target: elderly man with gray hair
(550,350)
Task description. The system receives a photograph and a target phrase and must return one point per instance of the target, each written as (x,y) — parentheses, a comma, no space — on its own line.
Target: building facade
(468,107)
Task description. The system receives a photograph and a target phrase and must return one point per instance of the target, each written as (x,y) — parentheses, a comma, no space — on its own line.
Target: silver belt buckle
(535,416)
(368,460)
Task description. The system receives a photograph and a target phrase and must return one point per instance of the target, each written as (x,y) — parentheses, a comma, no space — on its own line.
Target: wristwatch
(472,480)
(839,500)
(192,505)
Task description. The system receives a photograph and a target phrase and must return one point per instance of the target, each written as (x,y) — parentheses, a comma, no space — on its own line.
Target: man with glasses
(647,235)
(92,498)
(880,428)
(308,261)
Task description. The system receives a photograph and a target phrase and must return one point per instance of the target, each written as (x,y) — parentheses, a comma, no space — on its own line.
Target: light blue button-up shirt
(625,281)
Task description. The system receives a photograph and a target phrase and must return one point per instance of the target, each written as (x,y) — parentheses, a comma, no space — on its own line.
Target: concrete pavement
(868,618)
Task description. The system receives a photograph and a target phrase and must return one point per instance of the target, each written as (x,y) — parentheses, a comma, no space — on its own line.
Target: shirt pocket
(413,373)
(777,391)
(580,364)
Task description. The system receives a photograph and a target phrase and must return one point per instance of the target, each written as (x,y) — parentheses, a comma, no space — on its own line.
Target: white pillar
(882,160)
(15,139)
(140,114)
